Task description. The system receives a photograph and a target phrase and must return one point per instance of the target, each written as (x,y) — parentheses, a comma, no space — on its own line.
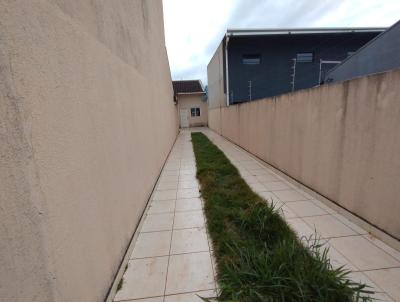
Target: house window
(253,59)
(305,57)
(195,111)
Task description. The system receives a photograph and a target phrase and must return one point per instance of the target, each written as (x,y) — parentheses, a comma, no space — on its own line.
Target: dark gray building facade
(264,63)
(379,55)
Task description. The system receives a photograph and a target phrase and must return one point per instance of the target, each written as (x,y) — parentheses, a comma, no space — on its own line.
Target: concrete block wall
(87,119)
(340,140)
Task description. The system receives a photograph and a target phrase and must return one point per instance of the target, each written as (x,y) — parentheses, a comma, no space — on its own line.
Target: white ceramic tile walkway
(171,260)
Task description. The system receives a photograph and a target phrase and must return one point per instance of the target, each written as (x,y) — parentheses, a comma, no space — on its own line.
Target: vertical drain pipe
(226,68)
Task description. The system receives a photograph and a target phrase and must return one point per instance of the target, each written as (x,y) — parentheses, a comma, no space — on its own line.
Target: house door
(184,114)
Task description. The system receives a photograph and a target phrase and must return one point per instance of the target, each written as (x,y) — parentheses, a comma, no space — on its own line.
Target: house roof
(289,31)
(187,87)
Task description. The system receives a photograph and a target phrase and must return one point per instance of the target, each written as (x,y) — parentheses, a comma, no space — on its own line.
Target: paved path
(171,260)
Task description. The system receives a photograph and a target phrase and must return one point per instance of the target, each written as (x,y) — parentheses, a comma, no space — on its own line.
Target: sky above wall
(194,28)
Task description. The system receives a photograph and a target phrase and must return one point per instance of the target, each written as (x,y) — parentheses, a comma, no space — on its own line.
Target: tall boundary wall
(87,120)
(340,140)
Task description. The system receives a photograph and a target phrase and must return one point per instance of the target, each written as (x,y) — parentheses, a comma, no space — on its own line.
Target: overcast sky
(194,28)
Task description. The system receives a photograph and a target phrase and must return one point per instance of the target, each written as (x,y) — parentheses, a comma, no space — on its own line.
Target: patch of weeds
(121,281)
(259,257)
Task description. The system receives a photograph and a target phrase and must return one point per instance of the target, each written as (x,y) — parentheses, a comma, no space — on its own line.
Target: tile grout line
(173,254)
(178,229)
(172,232)
(169,295)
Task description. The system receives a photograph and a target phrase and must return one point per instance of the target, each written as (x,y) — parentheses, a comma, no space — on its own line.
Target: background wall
(193,101)
(273,76)
(86,121)
(215,76)
(341,140)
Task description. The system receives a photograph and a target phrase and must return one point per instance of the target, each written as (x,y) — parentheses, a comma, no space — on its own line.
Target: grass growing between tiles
(121,281)
(259,257)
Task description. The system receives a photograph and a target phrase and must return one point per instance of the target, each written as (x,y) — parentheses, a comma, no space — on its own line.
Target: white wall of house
(187,102)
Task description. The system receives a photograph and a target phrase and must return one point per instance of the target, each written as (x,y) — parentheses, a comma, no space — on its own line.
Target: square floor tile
(192,219)
(258,187)
(363,279)
(383,297)
(187,172)
(189,241)
(157,299)
(164,195)
(243,172)
(253,166)
(144,278)
(169,178)
(250,179)
(167,186)
(301,228)
(266,178)
(350,224)
(152,244)
(391,251)
(259,172)
(323,206)
(388,280)
(188,185)
(187,178)
(172,166)
(188,162)
(270,197)
(276,185)
(191,297)
(363,253)
(188,165)
(188,204)
(286,212)
(189,273)
(162,206)
(289,195)
(328,226)
(172,161)
(305,208)
(170,173)
(158,222)
(188,193)
(337,259)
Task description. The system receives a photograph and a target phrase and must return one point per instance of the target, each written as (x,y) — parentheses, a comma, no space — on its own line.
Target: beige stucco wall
(215,76)
(341,140)
(193,101)
(86,122)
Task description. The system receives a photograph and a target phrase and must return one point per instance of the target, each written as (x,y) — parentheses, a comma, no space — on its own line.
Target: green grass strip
(259,257)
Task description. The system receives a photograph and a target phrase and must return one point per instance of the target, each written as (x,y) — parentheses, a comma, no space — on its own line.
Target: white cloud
(195,28)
